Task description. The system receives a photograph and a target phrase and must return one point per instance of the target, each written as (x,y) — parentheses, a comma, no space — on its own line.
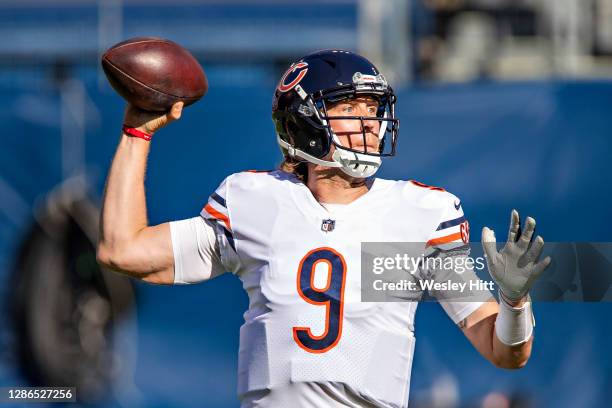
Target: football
(154,73)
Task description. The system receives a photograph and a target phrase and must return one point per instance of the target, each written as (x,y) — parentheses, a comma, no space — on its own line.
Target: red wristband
(130,131)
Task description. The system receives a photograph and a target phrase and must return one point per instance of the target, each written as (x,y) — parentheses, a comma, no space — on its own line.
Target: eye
(347,108)
(372,110)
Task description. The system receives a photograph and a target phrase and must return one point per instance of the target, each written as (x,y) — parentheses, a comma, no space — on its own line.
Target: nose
(370,126)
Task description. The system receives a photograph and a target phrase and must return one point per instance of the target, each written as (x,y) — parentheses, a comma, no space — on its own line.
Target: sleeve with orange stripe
(449,242)
(453,230)
(217,211)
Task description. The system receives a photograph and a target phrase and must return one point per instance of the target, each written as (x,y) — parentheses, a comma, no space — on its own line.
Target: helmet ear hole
(306,138)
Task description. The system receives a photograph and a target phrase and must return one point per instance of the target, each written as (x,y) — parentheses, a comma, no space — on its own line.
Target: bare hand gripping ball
(153,73)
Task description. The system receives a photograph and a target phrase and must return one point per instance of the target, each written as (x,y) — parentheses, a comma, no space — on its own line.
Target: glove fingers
(489,244)
(541,267)
(525,237)
(535,250)
(514,226)
(537,270)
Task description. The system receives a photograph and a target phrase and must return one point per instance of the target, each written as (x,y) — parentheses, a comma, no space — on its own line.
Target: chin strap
(293,152)
(351,163)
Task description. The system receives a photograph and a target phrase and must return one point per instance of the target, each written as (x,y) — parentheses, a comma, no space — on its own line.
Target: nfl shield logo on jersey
(328,225)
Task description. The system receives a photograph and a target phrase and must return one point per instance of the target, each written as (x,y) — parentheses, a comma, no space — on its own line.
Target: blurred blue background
(507,125)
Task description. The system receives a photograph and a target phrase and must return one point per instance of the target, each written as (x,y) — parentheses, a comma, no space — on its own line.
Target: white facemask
(357,164)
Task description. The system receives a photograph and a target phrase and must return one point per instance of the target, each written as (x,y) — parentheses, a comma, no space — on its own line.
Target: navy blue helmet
(301,100)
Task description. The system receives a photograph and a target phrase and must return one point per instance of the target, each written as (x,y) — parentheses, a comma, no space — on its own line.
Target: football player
(304,342)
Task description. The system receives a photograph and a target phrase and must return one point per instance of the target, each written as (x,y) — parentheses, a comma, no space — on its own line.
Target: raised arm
(127,243)
(503,333)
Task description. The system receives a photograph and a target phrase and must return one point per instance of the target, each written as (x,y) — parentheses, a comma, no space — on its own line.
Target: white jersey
(307,339)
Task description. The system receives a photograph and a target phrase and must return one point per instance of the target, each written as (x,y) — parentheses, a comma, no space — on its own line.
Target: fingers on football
(175,112)
(514,226)
(489,244)
(133,116)
(143,120)
(525,237)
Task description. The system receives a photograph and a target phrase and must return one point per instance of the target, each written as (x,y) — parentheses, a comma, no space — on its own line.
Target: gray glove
(516,266)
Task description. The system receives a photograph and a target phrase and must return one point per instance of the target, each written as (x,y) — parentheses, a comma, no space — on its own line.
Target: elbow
(110,258)
(520,364)
(515,362)
(511,365)
(103,256)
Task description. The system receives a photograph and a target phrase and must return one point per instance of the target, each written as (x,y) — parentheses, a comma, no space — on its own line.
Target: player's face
(349,131)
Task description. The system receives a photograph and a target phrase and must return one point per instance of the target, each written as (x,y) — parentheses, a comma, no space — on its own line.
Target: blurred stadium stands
(223,29)
(504,103)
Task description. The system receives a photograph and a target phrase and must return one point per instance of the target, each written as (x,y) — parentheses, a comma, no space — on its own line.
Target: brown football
(153,73)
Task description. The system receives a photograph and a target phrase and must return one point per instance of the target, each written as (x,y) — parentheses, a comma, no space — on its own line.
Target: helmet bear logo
(299,70)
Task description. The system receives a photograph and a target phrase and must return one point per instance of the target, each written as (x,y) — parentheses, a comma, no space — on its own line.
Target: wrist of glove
(513,302)
(516,267)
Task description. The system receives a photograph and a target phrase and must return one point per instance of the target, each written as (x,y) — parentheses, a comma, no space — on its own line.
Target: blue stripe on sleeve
(451,223)
(218,199)
(230,238)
